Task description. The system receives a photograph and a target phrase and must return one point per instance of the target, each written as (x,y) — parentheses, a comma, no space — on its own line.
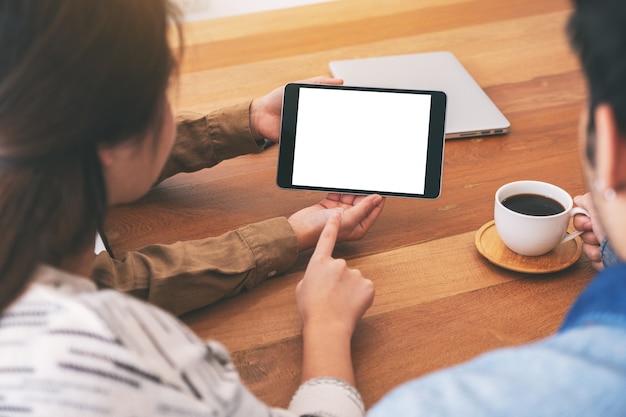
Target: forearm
(327,353)
(188,275)
(327,376)
(203,141)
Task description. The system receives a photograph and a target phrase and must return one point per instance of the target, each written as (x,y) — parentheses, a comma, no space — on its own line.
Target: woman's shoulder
(63,303)
(63,341)
(53,304)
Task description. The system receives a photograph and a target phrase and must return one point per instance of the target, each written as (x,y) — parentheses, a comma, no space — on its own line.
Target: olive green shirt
(188,275)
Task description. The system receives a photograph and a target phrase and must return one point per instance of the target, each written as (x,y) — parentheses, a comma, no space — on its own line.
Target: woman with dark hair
(83,109)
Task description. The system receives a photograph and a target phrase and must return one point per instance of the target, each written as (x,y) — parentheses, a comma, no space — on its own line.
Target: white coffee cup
(527,231)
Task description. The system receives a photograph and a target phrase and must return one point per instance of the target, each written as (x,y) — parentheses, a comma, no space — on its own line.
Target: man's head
(598,35)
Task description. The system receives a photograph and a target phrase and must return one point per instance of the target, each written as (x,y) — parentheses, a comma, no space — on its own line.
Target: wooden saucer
(490,245)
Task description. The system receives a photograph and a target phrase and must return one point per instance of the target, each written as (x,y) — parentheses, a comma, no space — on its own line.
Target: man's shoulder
(602,302)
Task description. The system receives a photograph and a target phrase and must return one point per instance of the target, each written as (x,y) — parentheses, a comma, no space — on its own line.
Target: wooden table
(438,301)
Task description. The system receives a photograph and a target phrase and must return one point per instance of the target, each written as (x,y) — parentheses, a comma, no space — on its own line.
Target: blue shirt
(580,371)
(607,254)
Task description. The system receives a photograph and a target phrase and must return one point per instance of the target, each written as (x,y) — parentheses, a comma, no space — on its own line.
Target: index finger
(328,237)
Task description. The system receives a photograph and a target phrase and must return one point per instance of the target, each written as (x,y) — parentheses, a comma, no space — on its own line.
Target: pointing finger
(328,238)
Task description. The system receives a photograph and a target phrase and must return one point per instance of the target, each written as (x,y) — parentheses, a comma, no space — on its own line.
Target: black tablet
(362,140)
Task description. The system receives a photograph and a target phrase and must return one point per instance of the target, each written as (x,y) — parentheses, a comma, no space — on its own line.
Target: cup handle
(575,211)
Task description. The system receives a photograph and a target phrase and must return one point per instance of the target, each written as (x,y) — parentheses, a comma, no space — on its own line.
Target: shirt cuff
(230,133)
(273,244)
(203,141)
(607,254)
(327,396)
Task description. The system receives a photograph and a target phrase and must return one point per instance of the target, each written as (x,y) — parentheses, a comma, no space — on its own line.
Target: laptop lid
(469,113)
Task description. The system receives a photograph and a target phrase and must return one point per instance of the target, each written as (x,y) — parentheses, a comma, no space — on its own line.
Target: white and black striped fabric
(67,349)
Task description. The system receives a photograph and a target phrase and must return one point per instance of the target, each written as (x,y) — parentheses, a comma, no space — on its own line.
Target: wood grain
(490,245)
(390,349)
(438,301)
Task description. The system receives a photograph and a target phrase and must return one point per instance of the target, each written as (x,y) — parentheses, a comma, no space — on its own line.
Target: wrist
(327,327)
(254,121)
(327,353)
(305,241)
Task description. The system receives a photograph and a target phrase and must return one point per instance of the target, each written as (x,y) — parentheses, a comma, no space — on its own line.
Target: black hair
(74,74)
(597,32)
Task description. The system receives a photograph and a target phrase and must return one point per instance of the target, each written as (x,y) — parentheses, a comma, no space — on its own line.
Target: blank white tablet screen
(361,140)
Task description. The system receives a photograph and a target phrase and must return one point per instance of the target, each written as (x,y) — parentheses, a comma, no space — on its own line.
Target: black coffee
(533,204)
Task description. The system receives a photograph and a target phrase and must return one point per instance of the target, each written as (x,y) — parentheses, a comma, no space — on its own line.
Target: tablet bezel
(435,147)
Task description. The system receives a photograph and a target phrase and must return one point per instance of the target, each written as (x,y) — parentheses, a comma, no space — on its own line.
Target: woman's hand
(265,112)
(331,298)
(359,212)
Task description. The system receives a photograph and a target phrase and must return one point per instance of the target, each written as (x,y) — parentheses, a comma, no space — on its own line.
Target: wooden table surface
(438,301)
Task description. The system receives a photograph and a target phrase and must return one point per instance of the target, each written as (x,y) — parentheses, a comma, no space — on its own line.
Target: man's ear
(610,164)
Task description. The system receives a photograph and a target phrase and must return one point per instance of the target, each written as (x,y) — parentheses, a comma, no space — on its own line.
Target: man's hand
(593,231)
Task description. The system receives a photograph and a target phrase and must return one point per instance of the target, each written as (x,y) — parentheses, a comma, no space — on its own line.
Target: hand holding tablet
(362,140)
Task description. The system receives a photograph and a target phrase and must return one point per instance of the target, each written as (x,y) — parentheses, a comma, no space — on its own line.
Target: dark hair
(73,74)
(598,34)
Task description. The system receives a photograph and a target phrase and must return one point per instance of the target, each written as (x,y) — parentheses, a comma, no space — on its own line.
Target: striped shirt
(67,349)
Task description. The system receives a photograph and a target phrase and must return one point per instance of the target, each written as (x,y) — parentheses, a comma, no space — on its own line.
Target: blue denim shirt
(607,254)
(579,371)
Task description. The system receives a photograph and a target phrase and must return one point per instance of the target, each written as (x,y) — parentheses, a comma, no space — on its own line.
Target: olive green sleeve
(203,141)
(188,275)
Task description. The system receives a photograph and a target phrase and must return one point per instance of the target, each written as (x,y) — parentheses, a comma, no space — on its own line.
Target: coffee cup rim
(522,183)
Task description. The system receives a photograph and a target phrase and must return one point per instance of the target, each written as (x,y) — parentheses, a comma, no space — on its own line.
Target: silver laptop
(469,112)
